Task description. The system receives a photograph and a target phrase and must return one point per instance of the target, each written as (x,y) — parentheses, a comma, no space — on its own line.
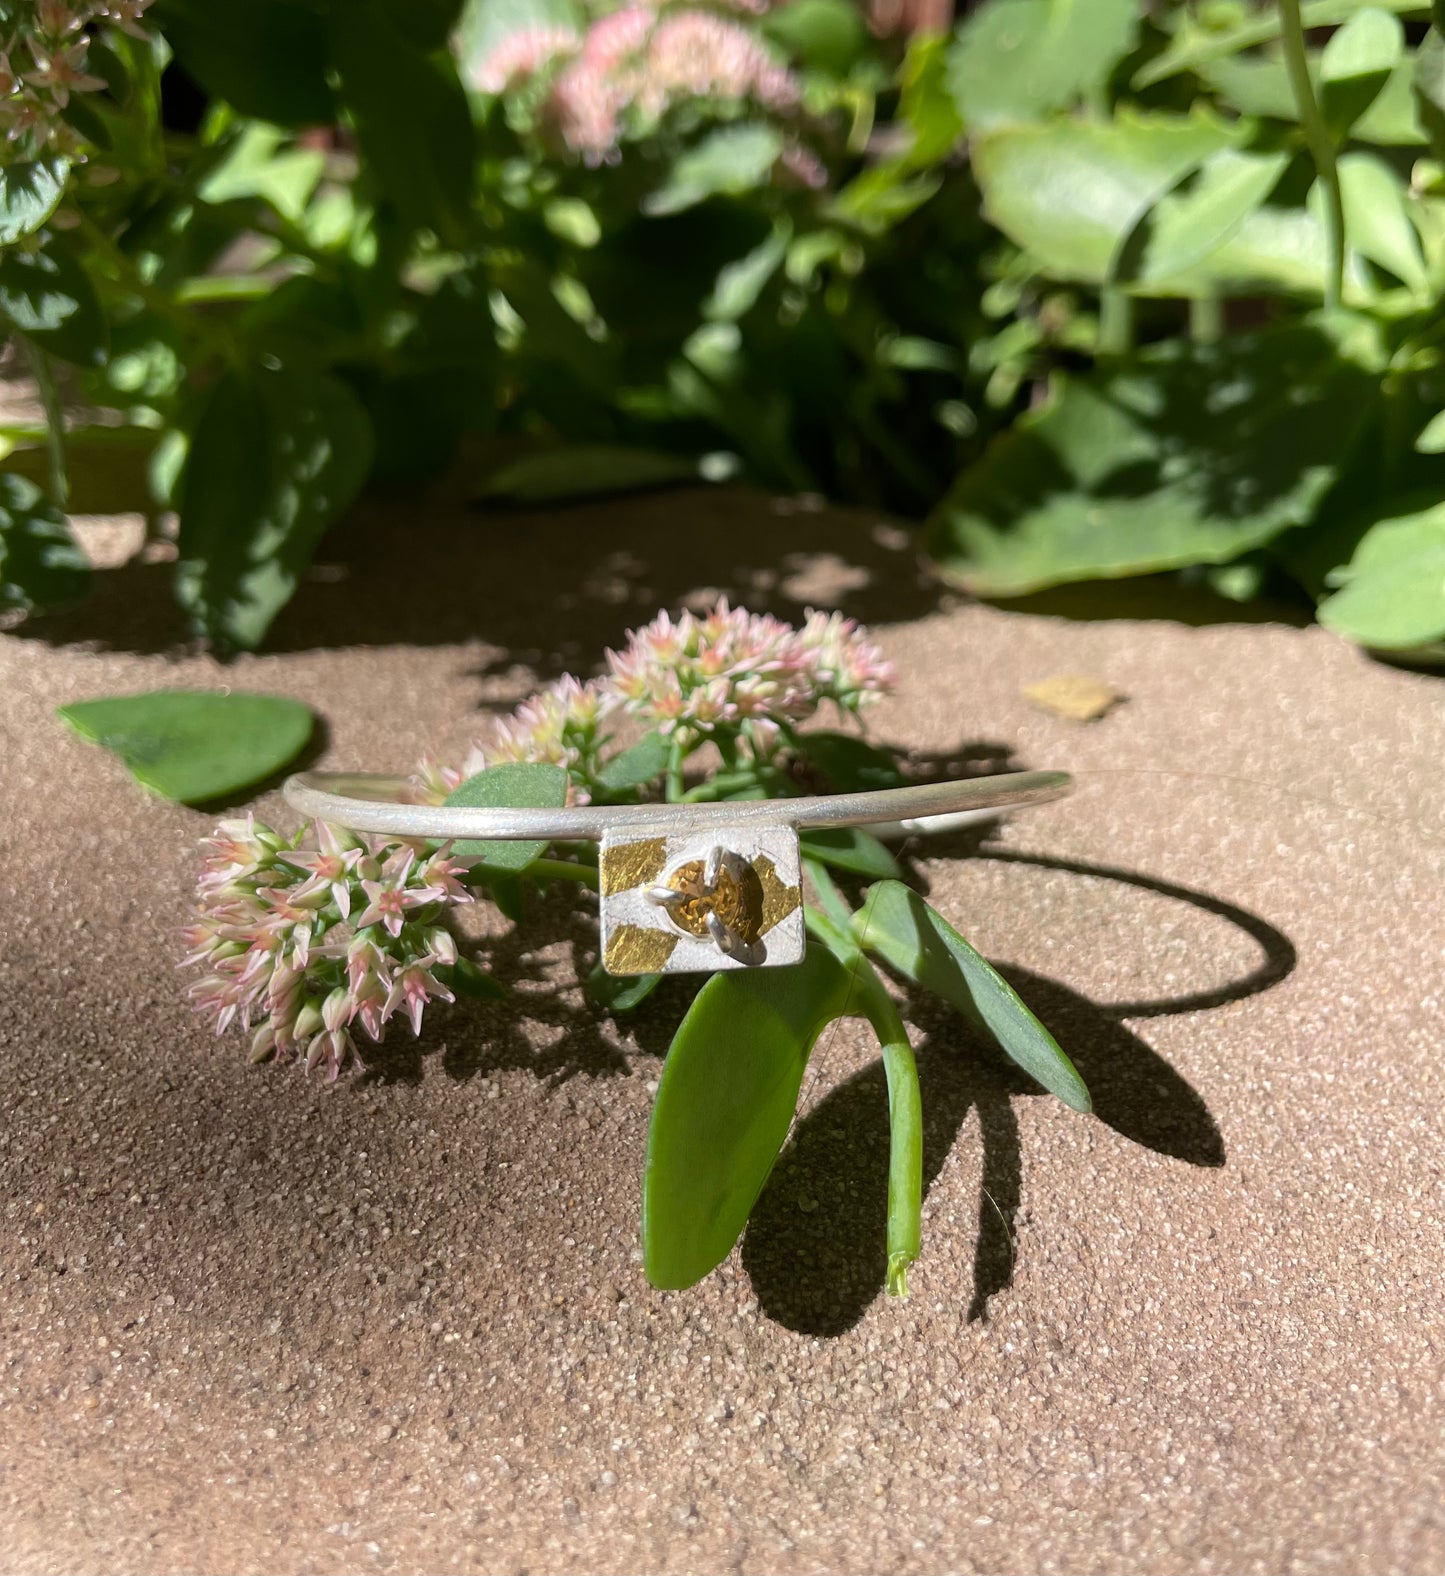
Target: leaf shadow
(815,1246)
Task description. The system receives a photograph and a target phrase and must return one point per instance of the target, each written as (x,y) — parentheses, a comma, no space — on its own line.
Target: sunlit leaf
(1377,218)
(729,161)
(1071,193)
(1355,65)
(724,1105)
(1392,591)
(47,295)
(851,848)
(639,764)
(29,194)
(1016,60)
(516,784)
(195,745)
(898,926)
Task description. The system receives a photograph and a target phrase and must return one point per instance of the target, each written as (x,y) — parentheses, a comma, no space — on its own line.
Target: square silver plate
(755,900)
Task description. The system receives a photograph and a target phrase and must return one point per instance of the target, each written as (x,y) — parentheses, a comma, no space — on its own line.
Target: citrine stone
(738,902)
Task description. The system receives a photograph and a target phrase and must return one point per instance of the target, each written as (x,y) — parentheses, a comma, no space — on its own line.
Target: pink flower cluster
(300,944)
(43,50)
(730,667)
(636,62)
(699,673)
(559,726)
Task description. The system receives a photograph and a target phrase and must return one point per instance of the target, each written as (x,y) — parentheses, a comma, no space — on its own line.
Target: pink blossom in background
(521,55)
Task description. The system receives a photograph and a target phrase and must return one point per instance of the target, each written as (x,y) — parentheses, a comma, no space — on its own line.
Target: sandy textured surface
(254,1324)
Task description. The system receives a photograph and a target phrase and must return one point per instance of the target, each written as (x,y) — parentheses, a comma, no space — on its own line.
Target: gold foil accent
(628,865)
(634,949)
(779,900)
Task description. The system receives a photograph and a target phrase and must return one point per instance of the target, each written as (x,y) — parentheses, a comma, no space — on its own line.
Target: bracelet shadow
(815,1246)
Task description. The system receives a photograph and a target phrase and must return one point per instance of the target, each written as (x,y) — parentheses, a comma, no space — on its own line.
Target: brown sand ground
(255,1324)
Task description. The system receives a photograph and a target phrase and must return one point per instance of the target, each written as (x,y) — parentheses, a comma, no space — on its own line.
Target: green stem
(1321,144)
(1206,319)
(562,870)
(832,901)
(192,324)
(1116,321)
(905,1102)
(54,423)
(675,754)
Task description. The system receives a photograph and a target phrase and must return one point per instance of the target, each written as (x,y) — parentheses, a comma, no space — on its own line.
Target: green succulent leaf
(1018,60)
(1073,193)
(895,924)
(593,470)
(1187,454)
(1377,218)
(1356,64)
(195,745)
(1430,88)
(516,784)
(724,1104)
(29,193)
(1392,591)
(275,458)
(640,763)
(850,764)
(730,161)
(851,848)
(614,993)
(41,563)
(47,295)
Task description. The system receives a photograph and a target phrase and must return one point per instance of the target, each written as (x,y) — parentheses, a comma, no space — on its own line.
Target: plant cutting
(718,855)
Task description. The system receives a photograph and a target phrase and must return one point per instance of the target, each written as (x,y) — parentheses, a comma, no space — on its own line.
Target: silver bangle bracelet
(684,887)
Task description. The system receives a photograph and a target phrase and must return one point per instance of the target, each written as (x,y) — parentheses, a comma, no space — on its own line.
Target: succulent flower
(306,940)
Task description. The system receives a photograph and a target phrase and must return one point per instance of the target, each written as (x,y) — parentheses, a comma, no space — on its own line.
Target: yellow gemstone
(738,903)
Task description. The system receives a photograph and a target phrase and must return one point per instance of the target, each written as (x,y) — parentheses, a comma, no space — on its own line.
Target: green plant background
(1092,292)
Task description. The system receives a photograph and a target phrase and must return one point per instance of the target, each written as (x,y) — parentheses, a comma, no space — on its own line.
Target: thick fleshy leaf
(1392,592)
(724,1105)
(29,194)
(262,162)
(1355,65)
(595,470)
(730,161)
(1017,60)
(195,745)
(851,848)
(1072,193)
(49,298)
(1259,86)
(1188,224)
(639,764)
(1377,218)
(1430,88)
(266,58)
(275,458)
(618,993)
(827,36)
(517,784)
(1190,454)
(41,563)
(898,926)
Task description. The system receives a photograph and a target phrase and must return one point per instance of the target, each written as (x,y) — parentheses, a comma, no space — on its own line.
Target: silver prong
(713,867)
(665,896)
(732,945)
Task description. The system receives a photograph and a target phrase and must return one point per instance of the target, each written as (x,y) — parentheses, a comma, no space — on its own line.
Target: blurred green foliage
(1068,282)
